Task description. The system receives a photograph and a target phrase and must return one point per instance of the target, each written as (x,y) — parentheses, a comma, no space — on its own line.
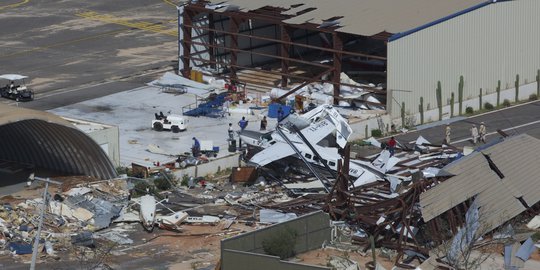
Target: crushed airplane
(147,212)
(315,137)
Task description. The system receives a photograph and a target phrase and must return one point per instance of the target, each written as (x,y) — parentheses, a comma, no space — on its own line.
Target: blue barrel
(274,107)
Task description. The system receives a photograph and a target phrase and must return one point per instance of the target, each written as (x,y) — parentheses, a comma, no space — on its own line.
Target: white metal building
(492,41)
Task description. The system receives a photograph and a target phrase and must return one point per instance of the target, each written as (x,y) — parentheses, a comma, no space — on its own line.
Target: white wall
(495,42)
(211,167)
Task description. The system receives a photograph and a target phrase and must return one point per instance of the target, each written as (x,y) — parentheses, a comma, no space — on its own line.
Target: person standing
(264,122)
(482,132)
(474,134)
(231,132)
(196,148)
(392,146)
(280,114)
(448,131)
(243,123)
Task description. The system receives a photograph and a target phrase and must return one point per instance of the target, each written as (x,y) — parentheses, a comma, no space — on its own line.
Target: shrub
(162,183)
(488,106)
(165,180)
(281,243)
(469,110)
(506,103)
(533,97)
(185,180)
(121,170)
(376,133)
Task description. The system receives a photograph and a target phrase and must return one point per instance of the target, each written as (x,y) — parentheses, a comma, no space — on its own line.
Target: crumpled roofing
(362,17)
(48,141)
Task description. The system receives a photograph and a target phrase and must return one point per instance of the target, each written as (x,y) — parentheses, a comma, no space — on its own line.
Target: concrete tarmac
(94,47)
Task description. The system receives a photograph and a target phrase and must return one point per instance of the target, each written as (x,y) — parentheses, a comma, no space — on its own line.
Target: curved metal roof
(50,142)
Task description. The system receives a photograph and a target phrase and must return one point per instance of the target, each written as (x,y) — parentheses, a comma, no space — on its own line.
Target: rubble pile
(418,196)
(69,216)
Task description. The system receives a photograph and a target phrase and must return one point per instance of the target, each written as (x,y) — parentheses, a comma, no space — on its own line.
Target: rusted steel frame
(376,207)
(315,78)
(367,219)
(368,186)
(433,232)
(451,221)
(248,68)
(437,222)
(234,27)
(400,238)
(211,39)
(367,200)
(365,196)
(341,187)
(284,50)
(337,45)
(408,215)
(262,54)
(187,18)
(289,43)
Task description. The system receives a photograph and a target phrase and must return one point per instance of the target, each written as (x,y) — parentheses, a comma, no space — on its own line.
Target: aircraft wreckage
(409,202)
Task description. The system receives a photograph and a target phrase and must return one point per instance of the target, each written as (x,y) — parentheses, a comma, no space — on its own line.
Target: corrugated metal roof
(516,157)
(365,17)
(50,142)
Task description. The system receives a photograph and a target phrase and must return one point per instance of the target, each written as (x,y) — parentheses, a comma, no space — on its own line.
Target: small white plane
(147,211)
(326,130)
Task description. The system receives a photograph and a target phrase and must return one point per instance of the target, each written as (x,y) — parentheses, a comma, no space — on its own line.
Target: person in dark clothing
(392,146)
(264,122)
(196,148)
(231,132)
(243,123)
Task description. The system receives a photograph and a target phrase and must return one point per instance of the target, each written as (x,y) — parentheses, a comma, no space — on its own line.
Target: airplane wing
(315,133)
(342,128)
(275,152)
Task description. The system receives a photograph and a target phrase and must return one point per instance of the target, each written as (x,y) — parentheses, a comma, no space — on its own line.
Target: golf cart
(15,88)
(175,123)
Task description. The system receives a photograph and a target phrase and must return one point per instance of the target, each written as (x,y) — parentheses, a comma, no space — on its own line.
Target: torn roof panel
(516,157)
(364,17)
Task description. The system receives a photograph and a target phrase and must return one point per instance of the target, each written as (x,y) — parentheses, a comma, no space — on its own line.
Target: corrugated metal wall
(244,251)
(492,43)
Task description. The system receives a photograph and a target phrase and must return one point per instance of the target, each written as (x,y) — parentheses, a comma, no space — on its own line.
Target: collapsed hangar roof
(361,17)
(48,141)
(501,195)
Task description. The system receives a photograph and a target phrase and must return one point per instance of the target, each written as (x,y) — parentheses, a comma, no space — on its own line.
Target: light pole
(42,212)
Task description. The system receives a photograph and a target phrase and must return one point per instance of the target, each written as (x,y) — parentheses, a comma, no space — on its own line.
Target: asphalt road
(524,118)
(78,50)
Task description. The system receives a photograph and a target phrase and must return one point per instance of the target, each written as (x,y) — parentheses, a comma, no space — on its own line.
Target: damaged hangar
(398,50)
(45,141)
